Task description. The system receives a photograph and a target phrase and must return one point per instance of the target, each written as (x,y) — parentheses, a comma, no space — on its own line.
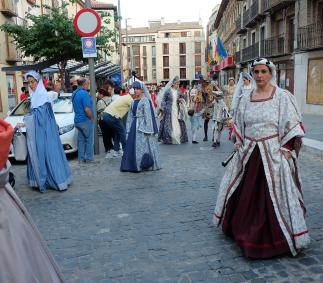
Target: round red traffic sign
(87,22)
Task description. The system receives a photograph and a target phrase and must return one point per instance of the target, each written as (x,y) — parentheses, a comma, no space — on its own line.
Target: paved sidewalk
(313,142)
(156,226)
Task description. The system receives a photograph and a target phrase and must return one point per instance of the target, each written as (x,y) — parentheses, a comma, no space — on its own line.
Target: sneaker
(218,143)
(195,142)
(214,144)
(117,154)
(205,139)
(109,154)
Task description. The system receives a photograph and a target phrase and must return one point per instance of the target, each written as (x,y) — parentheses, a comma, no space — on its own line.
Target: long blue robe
(141,137)
(47,165)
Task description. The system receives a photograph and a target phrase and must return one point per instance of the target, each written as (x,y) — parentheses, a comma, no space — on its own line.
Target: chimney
(162,21)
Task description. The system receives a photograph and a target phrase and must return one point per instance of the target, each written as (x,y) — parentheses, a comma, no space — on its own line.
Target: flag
(222,52)
(209,55)
(216,53)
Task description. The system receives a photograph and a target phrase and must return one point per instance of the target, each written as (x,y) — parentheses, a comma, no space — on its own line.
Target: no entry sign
(87,22)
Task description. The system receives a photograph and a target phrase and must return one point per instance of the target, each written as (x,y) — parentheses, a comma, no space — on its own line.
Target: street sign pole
(93,94)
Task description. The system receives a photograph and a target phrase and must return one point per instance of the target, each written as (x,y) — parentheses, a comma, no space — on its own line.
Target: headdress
(239,88)
(40,96)
(270,65)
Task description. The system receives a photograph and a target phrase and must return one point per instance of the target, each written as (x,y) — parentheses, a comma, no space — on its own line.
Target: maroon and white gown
(260,202)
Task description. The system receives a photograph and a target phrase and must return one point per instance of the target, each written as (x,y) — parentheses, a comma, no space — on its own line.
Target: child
(221,116)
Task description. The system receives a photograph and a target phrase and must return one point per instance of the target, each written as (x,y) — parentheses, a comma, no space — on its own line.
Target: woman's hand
(20,125)
(237,146)
(287,154)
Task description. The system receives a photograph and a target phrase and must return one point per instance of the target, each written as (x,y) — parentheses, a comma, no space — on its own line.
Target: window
(153,51)
(165,61)
(136,50)
(144,51)
(184,34)
(128,54)
(182,48)
(197,60)
(197,33)
(166,74)
(167,34)
(137,61)
(182,73)
(165,48)
(153,61)
(198,70)
(182,61)
(154,74)
(138,71)
(197,47)
(144,62)
(145,75)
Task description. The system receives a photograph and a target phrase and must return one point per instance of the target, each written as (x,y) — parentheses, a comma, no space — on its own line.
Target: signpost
(87,23)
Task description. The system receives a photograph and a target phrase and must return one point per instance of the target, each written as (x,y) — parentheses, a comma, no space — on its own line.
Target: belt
(262,139)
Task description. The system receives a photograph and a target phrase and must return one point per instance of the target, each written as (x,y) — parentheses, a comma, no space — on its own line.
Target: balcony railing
(310,37)
(237,57)
(8,8)
(250,52)
(275,5)
(275,46)
(239,28)
(13,55)
(245,17)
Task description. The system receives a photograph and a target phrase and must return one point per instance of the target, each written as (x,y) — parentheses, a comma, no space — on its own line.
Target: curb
(314,147)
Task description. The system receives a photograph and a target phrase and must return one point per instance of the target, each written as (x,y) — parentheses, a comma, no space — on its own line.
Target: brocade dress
(260,202)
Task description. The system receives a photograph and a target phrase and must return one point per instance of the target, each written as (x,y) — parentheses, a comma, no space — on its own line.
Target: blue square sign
(89,47)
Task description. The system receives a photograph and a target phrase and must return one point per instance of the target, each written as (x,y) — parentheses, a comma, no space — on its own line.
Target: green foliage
(52,35)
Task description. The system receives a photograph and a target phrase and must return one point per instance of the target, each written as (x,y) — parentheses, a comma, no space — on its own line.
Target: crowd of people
(260,202)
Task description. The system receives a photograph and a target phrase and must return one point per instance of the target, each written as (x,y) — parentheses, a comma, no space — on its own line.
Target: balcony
(310,37)
(237,57)
(13,55)
(255,13)
(275,5)
(274,46)
(251,52)
(245,18)
(8,8)
(239,28)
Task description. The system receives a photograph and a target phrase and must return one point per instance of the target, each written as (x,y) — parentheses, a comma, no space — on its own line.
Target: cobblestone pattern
(157,226)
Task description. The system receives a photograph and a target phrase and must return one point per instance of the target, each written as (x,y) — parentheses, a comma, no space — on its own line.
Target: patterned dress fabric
(265,126)
(141,137)
(172,129)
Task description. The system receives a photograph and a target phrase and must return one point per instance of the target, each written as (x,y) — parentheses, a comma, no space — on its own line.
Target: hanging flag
(222,52)
(216,53)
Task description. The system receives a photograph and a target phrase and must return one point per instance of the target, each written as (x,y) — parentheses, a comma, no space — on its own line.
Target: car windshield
(62,104)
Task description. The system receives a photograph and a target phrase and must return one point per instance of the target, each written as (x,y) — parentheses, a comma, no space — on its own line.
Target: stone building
(162,50)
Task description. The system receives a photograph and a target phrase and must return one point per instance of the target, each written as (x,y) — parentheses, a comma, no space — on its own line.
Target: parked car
(64,115)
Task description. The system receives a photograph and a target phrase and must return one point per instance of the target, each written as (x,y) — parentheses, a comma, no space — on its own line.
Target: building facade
(289,32)
(162,50)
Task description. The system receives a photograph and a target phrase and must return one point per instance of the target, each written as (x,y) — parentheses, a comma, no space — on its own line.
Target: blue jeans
(85,140)
(120,132)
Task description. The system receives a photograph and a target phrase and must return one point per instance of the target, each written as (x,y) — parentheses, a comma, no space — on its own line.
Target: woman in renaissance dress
(260,201)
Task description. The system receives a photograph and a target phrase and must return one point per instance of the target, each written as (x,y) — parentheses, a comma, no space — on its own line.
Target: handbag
(19,146)
(190,112)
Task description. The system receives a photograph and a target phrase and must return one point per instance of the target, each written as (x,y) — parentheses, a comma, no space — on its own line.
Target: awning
(103,69)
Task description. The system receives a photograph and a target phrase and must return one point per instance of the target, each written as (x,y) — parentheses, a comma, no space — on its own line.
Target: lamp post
(130,68)
(120,42)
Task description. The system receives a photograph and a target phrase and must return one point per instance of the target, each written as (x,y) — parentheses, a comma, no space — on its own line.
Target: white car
(64,115)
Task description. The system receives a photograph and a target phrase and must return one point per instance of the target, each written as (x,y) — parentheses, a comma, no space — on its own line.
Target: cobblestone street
(157,226)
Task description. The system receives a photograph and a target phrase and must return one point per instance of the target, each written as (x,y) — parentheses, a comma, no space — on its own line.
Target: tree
(52,36)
